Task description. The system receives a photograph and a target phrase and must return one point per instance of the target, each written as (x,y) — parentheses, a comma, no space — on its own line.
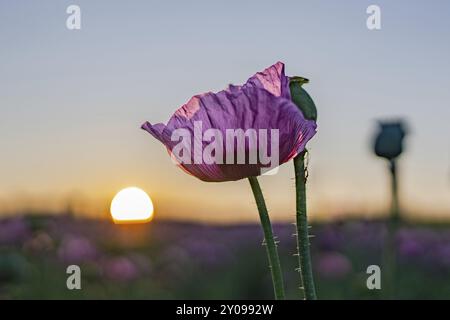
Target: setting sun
(131,205)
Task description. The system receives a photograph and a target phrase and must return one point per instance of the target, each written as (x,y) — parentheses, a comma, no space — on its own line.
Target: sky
(72,102)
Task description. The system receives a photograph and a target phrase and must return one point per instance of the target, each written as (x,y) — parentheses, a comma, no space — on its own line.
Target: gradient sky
(72,102)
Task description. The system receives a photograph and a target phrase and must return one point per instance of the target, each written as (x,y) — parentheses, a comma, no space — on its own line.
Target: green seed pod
(301,98)
(388,140)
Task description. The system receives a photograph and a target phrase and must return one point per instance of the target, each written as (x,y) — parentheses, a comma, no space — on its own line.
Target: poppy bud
(389,139)
(301,98)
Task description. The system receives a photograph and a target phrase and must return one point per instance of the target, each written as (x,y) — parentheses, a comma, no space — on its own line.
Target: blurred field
(163,260)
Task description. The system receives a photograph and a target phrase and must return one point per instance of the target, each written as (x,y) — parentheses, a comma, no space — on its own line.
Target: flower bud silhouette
(389,139)
(388,144)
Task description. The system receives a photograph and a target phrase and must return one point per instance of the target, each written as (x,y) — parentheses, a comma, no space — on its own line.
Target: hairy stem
(304,256)
(271,247)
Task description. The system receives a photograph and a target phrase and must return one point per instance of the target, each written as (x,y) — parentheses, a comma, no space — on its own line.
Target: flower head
(389,139)
(238,132)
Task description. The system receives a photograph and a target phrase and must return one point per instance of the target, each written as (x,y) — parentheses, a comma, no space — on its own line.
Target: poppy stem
(271,246)
(303,246)
(389,254)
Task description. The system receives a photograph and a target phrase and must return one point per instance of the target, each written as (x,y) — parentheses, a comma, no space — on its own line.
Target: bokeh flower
(13,231)
(333,265)
(120,269)
(76,249)
(39,243)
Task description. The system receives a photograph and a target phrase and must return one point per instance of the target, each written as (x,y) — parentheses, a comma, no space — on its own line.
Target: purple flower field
(193,261)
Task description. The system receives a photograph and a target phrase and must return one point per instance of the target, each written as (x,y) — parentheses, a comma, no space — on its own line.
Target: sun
(131,205)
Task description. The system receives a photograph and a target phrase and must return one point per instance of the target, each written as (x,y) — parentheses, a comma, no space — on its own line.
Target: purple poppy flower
(238,132)
(121,269)
(333,265)
(13,231)
(75,249)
